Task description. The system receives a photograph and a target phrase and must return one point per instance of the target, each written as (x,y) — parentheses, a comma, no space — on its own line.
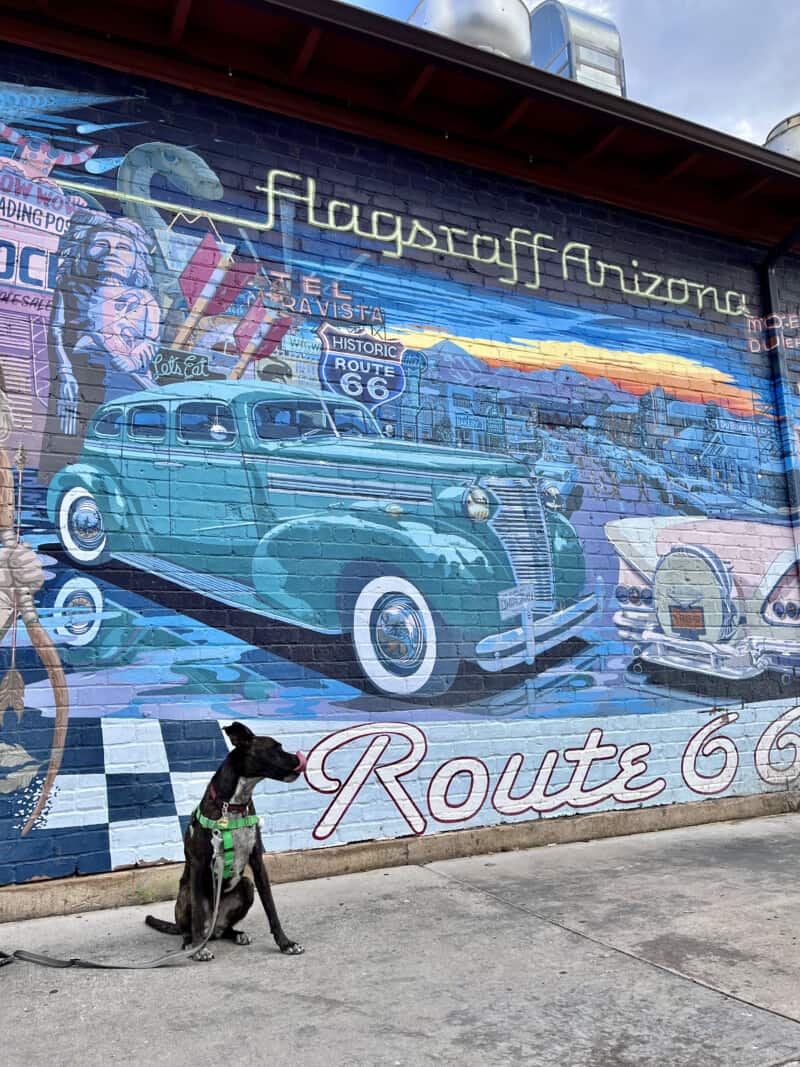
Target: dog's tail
(161,925)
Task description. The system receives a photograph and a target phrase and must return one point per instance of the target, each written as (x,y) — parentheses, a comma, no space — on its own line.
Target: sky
(727,64)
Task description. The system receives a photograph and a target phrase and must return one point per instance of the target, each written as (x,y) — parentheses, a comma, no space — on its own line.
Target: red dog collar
(228,806)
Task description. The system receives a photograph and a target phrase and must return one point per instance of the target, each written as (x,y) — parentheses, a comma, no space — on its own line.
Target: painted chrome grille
(520,524)
(280,482)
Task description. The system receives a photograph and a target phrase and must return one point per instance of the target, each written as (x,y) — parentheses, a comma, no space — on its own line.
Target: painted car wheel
(81,528)
(397,641)
(78,611)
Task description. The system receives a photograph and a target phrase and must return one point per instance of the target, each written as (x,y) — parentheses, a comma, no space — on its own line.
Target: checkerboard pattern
(124,795)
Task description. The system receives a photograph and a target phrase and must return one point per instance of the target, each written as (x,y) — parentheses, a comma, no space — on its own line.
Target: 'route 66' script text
(572,779)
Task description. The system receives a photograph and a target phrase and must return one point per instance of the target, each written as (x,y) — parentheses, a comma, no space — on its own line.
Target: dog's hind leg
(183,909)
(232,909)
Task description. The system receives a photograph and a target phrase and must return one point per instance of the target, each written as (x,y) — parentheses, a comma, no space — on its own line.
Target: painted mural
(277,448)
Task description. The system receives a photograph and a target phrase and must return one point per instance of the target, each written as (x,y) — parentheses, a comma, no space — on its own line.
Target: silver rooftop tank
(498,26)
(585,48)
(785,137)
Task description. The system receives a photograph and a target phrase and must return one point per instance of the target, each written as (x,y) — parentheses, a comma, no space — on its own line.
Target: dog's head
(262,757)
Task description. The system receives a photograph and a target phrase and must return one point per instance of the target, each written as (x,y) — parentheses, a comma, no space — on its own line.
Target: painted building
(468,474)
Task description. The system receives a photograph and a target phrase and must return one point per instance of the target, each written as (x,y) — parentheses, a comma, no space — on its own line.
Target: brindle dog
(229,792)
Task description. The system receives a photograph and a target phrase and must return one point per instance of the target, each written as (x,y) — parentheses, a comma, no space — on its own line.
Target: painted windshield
(350,419)
(282,420)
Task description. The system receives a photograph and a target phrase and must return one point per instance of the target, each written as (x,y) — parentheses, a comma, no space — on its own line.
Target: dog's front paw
(203,955)
(241,938)
(291,948)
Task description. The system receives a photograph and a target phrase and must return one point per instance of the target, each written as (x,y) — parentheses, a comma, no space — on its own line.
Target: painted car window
(284,420)
(108,424)
(148,423)
(350,419)
(206,423)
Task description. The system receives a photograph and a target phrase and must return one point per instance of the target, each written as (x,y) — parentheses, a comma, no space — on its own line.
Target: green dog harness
(225,826)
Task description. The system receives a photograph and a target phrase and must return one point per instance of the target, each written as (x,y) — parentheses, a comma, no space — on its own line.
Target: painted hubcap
(79,610)
(398,630)
(86,525)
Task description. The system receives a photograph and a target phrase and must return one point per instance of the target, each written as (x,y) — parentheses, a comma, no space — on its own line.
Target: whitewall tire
(398,642)
(78,611)
(81,529)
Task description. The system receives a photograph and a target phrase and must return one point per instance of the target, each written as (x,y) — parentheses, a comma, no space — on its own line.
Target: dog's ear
(240,735)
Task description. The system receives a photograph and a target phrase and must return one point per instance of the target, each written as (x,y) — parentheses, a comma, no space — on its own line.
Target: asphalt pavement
(675,949)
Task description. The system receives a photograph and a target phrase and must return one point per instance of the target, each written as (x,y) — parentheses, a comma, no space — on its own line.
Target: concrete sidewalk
(676,949)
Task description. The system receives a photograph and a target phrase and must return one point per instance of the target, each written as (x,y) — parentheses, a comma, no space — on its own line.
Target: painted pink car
(715,596)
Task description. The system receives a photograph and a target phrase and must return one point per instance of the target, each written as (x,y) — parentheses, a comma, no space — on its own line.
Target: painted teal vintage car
(292,504)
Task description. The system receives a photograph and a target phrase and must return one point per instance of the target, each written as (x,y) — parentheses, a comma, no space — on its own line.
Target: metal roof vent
(498,26)
(582,47)
(785,137)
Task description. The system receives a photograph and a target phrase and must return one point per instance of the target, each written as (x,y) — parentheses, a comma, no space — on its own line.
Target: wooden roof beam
(750,189)
(683,163)
(417,86)
(513,116)
(596,149)
(180,15)
(306,52)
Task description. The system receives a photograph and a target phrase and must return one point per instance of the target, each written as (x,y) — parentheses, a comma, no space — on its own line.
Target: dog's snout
(301,762)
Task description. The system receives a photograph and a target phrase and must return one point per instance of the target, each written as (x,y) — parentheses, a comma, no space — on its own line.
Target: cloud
(707,62)
(743,128)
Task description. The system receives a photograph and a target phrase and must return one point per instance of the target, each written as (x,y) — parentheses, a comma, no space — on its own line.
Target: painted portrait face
(113,253)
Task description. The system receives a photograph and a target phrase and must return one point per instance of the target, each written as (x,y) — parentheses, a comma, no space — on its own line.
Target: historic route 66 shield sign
(361,366)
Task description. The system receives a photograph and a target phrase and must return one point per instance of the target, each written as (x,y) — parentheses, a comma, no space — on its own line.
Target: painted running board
(224,590)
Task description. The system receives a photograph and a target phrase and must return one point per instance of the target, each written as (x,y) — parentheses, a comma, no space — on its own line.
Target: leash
(217,874)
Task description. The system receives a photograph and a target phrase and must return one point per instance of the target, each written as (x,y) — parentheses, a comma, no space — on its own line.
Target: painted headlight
(551,498)
(476,504)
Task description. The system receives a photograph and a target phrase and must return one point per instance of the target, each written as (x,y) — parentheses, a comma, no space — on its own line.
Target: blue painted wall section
(476,492)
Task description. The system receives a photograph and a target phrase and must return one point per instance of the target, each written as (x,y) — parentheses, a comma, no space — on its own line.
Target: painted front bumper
(735,660)
(512,647)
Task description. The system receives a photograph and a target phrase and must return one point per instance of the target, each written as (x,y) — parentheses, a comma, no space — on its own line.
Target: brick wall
(475,492)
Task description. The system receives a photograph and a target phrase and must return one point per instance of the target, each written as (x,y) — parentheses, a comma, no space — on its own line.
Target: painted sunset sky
(526,333)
